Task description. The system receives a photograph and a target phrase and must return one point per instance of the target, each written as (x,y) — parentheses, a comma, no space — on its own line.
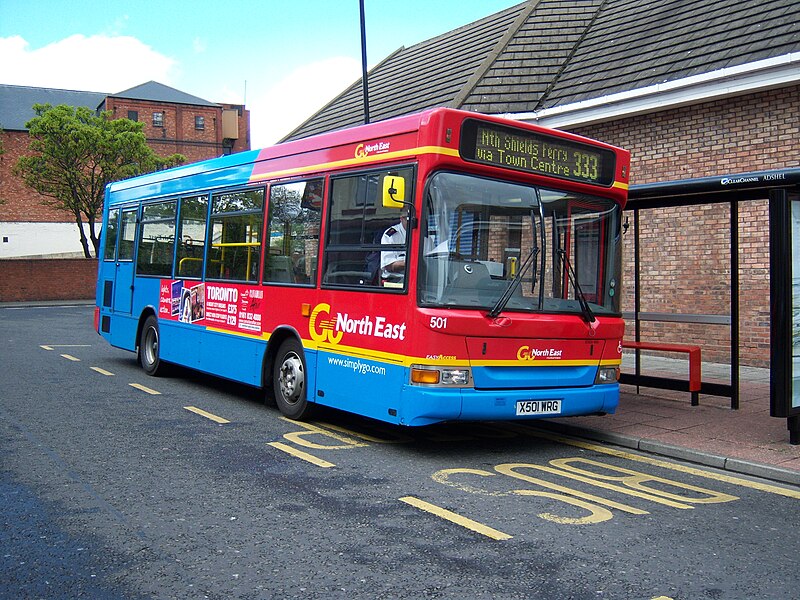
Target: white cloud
(199,45)
(98,63)
(280,107)
(111,64)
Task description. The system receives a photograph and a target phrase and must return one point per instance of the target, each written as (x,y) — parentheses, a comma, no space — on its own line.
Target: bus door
(124,267)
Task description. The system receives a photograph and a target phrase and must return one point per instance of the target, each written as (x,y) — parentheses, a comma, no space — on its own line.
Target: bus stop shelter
(782,189)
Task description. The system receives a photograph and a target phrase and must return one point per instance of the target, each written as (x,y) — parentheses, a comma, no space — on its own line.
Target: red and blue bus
(435,267)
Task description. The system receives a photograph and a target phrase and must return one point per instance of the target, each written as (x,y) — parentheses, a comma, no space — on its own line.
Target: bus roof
(295,157)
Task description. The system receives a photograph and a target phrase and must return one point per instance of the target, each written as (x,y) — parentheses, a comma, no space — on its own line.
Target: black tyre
(149,356)
(289,381)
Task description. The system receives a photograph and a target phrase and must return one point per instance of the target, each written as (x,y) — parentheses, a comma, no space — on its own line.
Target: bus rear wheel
(149,356)
(289,380)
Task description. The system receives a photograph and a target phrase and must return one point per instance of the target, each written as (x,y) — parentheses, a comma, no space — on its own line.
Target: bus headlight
(455,377)
(607,375)
(440,376)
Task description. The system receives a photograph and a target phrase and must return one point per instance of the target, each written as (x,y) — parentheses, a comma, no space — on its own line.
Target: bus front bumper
(425,406)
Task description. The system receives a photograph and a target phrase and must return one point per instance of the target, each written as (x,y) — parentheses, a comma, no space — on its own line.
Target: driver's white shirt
(396,234)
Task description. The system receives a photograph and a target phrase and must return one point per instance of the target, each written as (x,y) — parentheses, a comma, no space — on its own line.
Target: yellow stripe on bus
(540,363)
(349,162)
(406,361)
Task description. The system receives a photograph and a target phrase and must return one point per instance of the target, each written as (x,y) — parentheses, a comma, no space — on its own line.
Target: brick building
(175,122)
(707,88)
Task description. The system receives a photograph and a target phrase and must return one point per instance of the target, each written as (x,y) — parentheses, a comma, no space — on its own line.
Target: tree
(76,153)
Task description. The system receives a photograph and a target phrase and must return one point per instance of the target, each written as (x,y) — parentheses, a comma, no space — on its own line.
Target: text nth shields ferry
(435,267)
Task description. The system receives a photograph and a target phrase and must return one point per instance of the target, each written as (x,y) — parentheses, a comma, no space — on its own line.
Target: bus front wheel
(149,356)
(289,380)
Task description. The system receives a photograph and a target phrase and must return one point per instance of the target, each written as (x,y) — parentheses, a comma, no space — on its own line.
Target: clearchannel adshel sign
(522,150)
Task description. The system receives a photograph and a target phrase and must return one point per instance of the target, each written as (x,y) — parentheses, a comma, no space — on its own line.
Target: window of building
(199,122)
(158,119)
(157,239)
(363,234)
(133,115)
(236,221)
(294,218)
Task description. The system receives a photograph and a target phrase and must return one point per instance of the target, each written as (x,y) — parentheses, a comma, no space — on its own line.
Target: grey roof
(158,92)
(549,53)
(658,41)
(16,103)
(426,75)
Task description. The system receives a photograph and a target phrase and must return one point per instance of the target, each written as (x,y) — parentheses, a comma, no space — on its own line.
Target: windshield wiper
(588,315)
(514,284)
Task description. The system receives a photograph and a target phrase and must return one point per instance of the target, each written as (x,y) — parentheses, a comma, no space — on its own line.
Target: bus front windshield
(500,246)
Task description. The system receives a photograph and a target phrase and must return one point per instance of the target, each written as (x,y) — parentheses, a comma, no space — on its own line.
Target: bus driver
(393,262)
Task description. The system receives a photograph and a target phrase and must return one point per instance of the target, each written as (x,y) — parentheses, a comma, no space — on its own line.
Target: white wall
(40,239)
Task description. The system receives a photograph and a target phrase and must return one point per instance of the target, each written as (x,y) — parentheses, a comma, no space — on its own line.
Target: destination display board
(523,150)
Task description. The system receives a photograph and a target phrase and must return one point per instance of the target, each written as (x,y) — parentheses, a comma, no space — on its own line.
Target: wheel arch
(148,311)
(280,335)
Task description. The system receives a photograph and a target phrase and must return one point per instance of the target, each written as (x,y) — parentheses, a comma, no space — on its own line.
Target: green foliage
(75,153)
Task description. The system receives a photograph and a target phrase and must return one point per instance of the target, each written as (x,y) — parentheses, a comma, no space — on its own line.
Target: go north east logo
(364,150)
(324,328)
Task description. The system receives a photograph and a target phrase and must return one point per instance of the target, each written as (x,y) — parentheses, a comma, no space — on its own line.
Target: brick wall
(47,279)
(21,204)
(18,201)
(178,133)
(684,251)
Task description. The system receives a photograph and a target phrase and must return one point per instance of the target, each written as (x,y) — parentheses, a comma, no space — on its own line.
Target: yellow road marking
(455,518)
(102,371)
(638,481)
(54,346)
(207,415)
(364,436)
(70,357)
(509,469)
(756,485)
(443,477)
(302,455)
(139,386)
(299,437)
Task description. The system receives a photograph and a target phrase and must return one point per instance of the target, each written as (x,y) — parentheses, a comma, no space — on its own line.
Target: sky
(283,59)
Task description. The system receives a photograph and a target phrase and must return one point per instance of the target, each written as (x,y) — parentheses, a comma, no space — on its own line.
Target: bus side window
(192,236)
(236,220)
(358,221)
(293,231)
(157,239)
(112,229)
(127,234)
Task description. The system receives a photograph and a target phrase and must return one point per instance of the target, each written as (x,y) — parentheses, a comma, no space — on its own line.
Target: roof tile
(549,53)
